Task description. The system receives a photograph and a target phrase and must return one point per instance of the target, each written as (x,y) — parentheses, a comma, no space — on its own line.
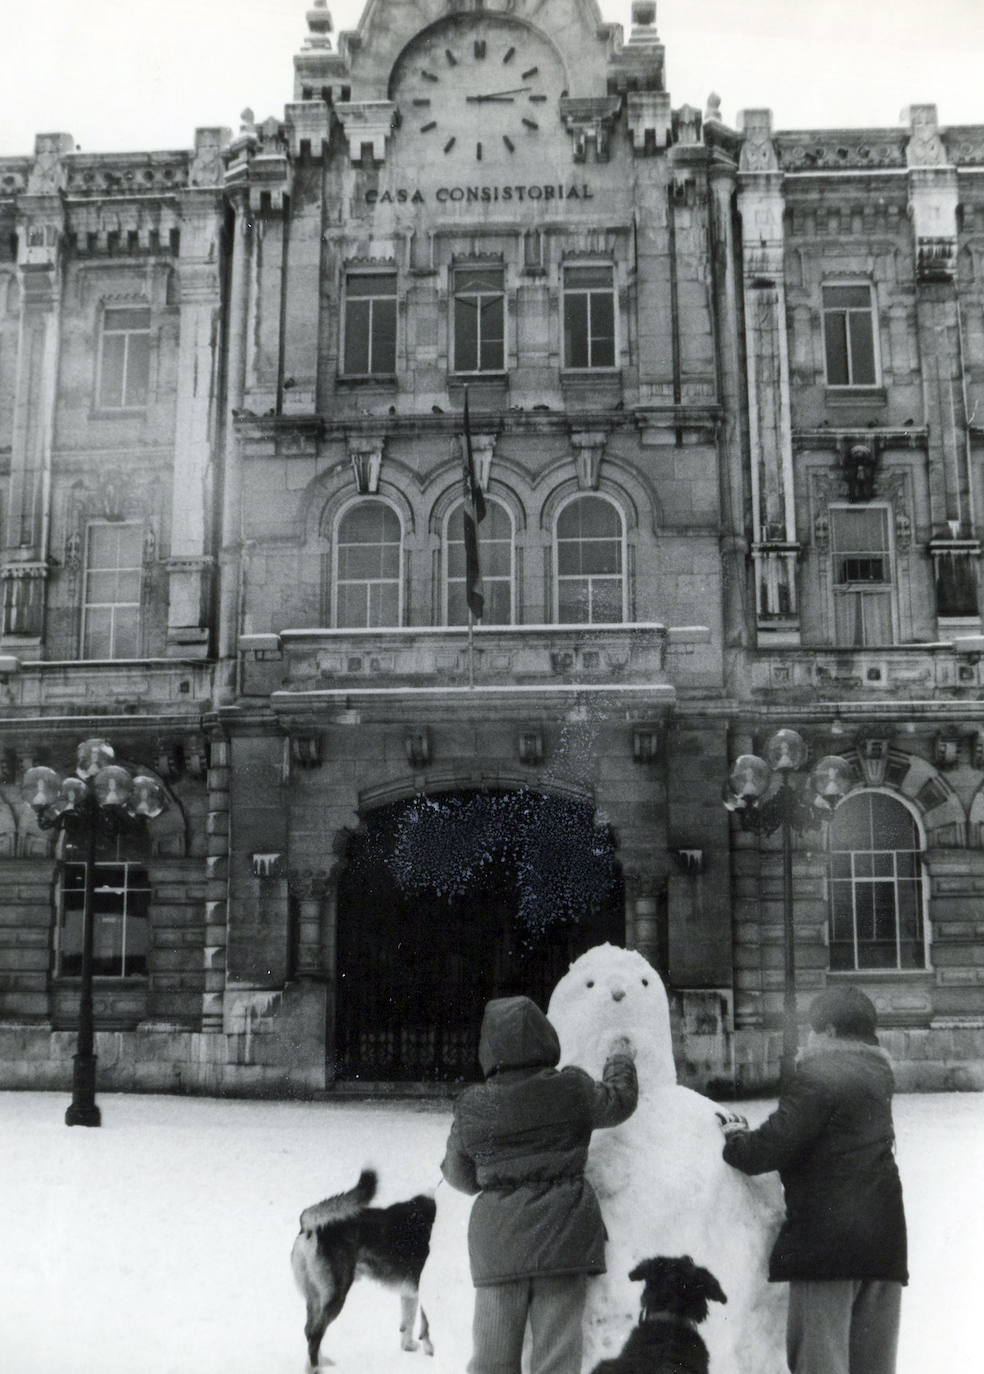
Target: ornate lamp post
(100,799)
(764,808)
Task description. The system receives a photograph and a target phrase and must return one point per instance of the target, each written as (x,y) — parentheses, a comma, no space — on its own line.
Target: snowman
(663,1187)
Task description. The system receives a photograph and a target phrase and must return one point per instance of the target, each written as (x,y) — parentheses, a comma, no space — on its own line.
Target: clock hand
(498,95)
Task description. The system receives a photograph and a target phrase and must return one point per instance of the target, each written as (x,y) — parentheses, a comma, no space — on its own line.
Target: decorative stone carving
(688,125)
(529,747)
(366,456)
(925,147)
(590,120)
(647,743)
(758,152)
(649,119)
(367,125)
(872,752)
(418,747)
(589,449)
(47,174)
(946,748)
(483,451)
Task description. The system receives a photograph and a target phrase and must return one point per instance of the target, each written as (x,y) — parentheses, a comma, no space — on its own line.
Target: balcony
(947,669)
(123,687)
(645,661)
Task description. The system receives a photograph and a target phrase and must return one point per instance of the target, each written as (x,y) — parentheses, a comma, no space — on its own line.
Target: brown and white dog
(343,1238)
(674,1302)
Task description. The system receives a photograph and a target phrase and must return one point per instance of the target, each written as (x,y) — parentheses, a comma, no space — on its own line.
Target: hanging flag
(474,512)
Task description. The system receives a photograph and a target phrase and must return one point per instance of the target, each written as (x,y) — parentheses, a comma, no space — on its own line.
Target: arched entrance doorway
(448,900)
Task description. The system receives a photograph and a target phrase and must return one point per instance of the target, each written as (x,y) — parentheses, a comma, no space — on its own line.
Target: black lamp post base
(83,1110)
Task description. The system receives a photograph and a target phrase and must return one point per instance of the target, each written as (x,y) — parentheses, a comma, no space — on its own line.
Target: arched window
(367,567)
(495,539)
(590,563)
(876,888)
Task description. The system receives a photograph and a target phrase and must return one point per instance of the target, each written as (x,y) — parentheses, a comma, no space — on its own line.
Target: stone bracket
(367,124)
(650,120)
(590,120)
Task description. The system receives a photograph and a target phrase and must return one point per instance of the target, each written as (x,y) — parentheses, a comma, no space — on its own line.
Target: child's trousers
(843,1326)
(553,1305)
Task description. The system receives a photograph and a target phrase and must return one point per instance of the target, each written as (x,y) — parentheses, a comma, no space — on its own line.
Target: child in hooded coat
(520,1141)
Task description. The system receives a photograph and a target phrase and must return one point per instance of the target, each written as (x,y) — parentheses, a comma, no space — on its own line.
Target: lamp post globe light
(762,806)
(100,799)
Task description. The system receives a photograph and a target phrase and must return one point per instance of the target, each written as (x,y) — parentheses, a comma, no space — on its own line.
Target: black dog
(343,1238)
(674,1302)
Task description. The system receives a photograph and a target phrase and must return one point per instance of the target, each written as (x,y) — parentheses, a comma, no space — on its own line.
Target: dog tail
(343,1205)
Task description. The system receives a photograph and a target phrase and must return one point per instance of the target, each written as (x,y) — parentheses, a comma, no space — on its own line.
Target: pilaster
(199,286)
(41,225)
(775,550)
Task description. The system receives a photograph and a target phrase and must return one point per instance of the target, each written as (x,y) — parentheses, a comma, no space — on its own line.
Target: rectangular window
(862,575)
(124,359)
(479,320)
(113,574)
(589,317)
(120,921)
(849,335)
(370,324)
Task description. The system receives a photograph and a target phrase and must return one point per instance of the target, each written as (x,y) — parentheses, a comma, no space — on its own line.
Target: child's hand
(731,1123)
(621,1044)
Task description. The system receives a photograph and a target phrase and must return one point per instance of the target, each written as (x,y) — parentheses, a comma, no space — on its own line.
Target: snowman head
(608,992)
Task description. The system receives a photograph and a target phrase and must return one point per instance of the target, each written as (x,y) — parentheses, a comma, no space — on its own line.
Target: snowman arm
(614,1099)
(803,1112)
(458,1167)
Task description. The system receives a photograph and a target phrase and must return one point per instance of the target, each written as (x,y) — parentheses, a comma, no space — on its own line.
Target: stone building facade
(723,389)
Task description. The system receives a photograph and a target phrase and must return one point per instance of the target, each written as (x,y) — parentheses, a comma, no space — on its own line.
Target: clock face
(478,89)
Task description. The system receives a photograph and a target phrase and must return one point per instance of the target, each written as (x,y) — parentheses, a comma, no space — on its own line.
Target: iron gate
(448,901)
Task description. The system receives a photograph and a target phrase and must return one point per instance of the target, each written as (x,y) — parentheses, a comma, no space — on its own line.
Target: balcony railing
(520,657)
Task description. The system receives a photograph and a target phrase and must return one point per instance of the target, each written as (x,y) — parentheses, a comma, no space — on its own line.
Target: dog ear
(709,1285)
(645,1269)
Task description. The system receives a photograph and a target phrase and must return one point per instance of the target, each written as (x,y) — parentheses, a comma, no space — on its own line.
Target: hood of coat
(873,1056)
(516,1035)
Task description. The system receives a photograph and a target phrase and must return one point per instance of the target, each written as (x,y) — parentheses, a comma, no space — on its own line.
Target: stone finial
(925,147)
(758,153)
(643,22)
(320,25)
(47,176)
(688,124)
(712,114)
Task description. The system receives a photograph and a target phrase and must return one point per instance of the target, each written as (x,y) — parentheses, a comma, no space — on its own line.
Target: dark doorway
(449,900)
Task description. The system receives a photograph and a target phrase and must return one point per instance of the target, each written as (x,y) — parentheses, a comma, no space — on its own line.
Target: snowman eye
(590,983)
(645,982)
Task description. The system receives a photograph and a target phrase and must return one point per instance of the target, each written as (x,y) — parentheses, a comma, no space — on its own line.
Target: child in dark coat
(520,1141)
(842,1247)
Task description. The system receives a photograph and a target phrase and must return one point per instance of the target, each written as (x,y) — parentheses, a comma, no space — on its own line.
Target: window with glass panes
(849,335)
(495,539)
(589,317)
(862,575)
(479,319)
(113,578)
(124,358)
(876,887)
(120,920)
(368,563)
(590,561)
(370,323)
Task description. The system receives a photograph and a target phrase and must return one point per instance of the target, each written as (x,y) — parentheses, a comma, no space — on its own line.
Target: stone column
(216,886)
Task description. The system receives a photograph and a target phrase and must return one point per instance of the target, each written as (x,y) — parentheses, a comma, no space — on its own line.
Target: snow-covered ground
(160,1243)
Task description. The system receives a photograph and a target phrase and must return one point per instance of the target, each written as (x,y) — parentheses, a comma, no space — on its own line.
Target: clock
(477,88)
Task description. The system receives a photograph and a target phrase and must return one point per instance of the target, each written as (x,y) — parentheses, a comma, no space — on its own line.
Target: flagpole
(471,650)
(473,515)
